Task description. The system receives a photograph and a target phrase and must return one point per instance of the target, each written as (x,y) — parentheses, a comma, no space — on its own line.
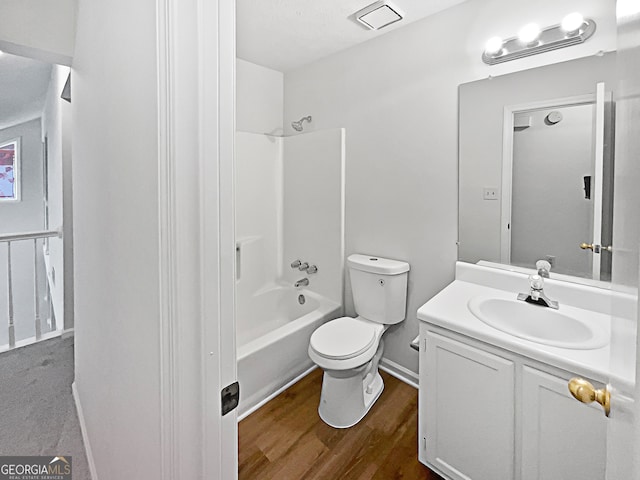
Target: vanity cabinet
(486,413)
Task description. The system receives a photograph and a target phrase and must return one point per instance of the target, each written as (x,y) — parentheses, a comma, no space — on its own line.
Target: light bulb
(572,22)
(529,33)
(493,46)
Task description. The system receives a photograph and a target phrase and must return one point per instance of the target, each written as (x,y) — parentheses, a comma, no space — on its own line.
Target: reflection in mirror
(535,173)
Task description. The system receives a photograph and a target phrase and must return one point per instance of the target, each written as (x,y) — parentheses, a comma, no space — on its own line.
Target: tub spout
(301,283)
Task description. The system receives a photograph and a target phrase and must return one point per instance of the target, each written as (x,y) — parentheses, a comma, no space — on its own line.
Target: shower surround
(289,206)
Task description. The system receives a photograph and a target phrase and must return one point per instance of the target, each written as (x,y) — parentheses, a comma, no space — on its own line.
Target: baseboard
(401,373)
(398,371)
(69,332)
(85,436)
(275,394)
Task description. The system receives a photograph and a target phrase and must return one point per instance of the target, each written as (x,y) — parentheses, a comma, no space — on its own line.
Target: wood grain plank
(287,440)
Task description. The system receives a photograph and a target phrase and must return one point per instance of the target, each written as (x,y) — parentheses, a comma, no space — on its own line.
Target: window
(10,171)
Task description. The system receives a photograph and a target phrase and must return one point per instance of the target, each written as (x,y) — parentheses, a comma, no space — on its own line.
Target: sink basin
(541,324)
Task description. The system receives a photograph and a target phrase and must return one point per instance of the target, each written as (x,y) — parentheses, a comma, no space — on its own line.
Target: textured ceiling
(23,89)
(287,34)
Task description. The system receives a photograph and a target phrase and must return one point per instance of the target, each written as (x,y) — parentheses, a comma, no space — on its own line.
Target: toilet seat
(345,343)
(343,338)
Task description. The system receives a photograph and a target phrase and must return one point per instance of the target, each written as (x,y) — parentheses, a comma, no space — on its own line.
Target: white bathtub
(273,331)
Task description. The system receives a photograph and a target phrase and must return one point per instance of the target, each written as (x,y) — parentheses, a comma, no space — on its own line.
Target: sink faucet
(301,283)
(543,268)
(536,293)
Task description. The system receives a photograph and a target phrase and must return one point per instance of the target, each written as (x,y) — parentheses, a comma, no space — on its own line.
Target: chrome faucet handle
(543,267)
(296,264)
(303,266)
(312,269)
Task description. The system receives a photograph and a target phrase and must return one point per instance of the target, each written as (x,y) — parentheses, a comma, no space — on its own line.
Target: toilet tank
(379,288)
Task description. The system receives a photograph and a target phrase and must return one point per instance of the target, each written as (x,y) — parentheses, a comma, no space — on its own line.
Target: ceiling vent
(378,15)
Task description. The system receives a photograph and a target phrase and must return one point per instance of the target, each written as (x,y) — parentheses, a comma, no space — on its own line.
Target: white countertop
(448,309)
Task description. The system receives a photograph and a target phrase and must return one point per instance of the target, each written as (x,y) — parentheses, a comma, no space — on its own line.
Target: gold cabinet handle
(586,393)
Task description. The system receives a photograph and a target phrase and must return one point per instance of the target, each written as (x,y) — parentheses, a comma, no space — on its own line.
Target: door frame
(196,83)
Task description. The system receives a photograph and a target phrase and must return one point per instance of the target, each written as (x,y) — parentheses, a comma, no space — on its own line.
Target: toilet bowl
(349,349)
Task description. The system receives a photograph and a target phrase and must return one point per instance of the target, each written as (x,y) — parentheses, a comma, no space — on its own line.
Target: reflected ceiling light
(531,40)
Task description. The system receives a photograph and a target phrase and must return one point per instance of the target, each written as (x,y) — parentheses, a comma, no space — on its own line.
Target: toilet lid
(343,338)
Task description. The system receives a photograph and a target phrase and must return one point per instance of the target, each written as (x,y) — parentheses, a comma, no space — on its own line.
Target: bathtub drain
(301,299)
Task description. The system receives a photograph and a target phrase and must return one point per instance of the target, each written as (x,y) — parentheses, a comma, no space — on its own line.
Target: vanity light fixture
(378,15)
(529,34)
(531,40)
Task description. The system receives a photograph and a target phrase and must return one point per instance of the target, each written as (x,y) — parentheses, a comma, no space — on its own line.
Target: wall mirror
(536,168)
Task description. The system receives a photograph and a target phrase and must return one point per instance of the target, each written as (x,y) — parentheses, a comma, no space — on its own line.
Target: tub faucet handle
(312,269)
(303,266)
(296,264)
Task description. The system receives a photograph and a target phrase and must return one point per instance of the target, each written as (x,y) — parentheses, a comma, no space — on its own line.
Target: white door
(623,432)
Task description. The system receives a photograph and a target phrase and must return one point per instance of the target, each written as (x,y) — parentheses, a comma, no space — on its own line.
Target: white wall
(397,98)
(115,178)
(56,127)
(314,209)
(259,98)
(40,29)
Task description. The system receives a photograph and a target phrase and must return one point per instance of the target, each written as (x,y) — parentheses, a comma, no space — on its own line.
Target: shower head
(297,126)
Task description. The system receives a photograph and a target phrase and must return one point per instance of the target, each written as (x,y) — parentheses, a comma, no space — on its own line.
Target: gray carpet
(37,411)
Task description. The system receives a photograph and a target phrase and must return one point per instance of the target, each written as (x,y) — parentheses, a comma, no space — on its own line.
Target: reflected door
(556,186)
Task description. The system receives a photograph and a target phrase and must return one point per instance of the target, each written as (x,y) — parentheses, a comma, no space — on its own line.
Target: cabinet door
(469,411)
(562,439)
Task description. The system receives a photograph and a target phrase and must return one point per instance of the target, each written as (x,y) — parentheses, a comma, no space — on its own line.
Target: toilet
(349,349)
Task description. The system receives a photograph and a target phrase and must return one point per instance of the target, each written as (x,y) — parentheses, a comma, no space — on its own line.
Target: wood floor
(286,440)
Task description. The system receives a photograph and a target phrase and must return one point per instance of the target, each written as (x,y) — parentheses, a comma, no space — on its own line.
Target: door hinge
(230,397)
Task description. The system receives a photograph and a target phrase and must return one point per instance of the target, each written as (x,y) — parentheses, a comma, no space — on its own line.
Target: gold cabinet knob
(584,392)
